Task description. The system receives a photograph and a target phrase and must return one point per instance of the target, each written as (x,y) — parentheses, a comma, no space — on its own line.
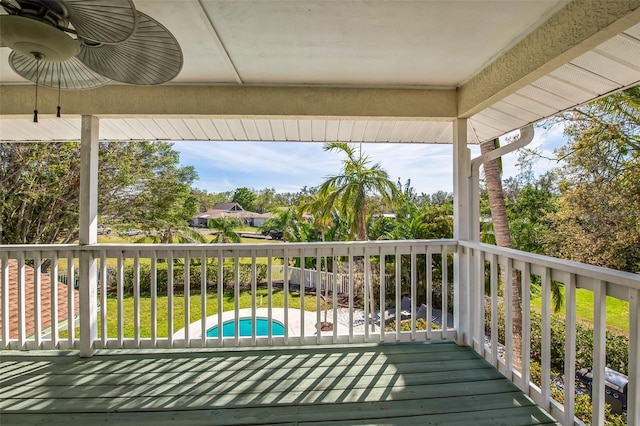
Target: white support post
(88,280)
(461,228)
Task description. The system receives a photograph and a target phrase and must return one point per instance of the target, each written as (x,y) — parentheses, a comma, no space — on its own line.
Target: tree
(226,229)
(139,182)
(245,197)
(597,220)
(206,200)
(266,200)
(349,190)
(285,221)
(173,234)
(493,179)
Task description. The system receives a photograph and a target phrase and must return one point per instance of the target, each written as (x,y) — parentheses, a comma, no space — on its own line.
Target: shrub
(583,406)
(195,277)
(617,346)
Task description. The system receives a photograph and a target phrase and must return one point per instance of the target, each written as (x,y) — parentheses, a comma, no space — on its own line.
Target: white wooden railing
(149,280)
(477,258)
(148,289)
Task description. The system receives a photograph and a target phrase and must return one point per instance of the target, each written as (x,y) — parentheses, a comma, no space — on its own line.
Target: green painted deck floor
(415,383)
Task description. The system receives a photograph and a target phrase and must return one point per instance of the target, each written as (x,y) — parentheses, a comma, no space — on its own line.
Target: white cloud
(287,167)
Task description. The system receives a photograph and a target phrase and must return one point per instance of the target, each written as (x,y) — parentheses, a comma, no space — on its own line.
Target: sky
(289,166)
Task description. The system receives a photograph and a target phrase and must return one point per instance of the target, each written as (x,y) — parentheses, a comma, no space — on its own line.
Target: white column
(88,280)
(461,228)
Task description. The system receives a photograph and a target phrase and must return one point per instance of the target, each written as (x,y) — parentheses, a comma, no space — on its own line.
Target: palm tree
(172,234)
(348,191)
(285,221)
(492,175)
(226,229)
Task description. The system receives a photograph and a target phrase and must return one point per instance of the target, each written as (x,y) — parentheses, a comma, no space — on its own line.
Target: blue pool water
(262,328)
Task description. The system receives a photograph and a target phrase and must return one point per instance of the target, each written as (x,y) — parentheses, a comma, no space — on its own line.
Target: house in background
(201,220)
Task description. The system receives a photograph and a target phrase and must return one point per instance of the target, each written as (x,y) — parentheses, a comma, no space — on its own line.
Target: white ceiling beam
(234,101)
(226,58)
(574,30)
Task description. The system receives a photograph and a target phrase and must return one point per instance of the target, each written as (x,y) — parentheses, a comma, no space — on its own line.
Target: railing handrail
(627,279)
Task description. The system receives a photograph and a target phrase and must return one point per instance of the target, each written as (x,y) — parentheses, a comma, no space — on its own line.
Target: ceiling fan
(84,44)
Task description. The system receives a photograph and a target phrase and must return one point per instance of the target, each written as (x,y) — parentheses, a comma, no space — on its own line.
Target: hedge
(195,277)
(617,345)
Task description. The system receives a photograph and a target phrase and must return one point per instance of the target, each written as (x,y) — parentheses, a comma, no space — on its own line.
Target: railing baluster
(119,296)
(136,299)
(170,298)
(383,294)
(570,349)
(285,288)
(368,296)
(254,289)
(220,295)
(445,291)
(398,260)
(22,307)
(103,298)
(154,299)
(526,326)
(508,316)
(494,310)
(71,304)
(55,303)
(236,293)
(334,296)
(270,295)
(318,297)
(478,303)
(187,299)
(429,289)
(203,298)
(414,296)
(351,293)
(302,285)
(599,351)
(545,367)
(37,300)
(633,401)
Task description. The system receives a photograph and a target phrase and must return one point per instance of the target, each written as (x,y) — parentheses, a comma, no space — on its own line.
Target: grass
(617,310)
(195,310)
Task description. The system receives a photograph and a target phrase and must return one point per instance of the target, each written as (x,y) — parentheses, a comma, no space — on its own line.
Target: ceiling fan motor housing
(31,37)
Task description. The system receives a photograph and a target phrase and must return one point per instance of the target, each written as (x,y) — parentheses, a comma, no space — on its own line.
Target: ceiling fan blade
(71,74)
(151,56)
(102,21)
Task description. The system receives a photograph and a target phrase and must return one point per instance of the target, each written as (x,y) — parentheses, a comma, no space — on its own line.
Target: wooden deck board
(362,384)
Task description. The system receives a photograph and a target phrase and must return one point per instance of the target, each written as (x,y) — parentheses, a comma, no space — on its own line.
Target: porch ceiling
(381,71)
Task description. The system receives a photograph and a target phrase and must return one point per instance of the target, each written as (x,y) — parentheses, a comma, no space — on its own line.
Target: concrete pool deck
(295,321)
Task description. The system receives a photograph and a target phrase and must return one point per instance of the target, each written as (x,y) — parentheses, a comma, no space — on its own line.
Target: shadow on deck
(414,383)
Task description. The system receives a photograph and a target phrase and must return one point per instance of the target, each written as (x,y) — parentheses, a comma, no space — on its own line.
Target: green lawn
(195,310)
(617,310)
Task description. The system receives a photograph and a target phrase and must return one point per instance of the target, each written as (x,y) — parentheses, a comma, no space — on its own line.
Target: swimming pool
(262,328)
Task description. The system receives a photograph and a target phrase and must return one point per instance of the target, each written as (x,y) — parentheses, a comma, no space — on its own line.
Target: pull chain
(35,111)
(59,76)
